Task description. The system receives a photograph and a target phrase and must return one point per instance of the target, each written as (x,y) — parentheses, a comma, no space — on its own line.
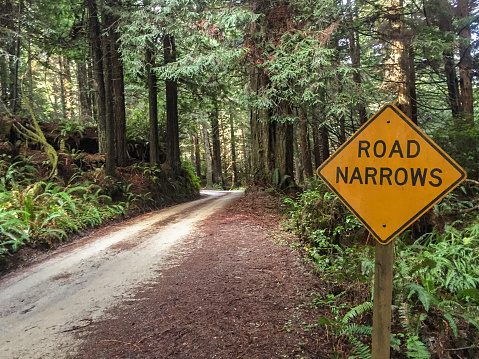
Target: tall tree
(305,145)
(172,130)
(84,92)
(152,106)
(209,165)
(215,134)
(118,86)
(97,56)
(110,164)
(271,148)
(235,181)
(465,62)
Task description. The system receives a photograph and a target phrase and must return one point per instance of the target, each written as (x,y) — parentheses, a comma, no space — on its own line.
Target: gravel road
(41,306)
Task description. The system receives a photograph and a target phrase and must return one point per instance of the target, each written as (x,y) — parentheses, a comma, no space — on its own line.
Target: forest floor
(234,288)
(242,294)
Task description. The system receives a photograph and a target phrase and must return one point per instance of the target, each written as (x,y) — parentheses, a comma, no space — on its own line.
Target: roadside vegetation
(42,213)
(436,275)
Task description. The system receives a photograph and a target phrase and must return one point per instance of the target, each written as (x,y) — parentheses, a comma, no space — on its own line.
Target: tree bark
(316,144)
(305,145)
(65,87)
(62,88)
(196,144)
(83,90)
(152,107)
(3,83)
(68,87)
(261,167)
(271,144)
(16,101)
(215,134)
(209,165)
(172,127)
(109,104)
(399,69)
(297,156)
(442,15)
(235,182)
(465,63)
(97,55)
(411,84)
(355,53)
(118,87)
(324,137)
(452,85)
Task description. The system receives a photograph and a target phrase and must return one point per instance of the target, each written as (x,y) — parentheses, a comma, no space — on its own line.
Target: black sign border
(425,138)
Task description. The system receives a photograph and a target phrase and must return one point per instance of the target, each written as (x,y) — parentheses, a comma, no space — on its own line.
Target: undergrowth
(40,213)
(436,275)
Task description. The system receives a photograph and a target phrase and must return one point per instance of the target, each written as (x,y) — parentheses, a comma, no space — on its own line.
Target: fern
(416,349)
(357,311)
(361,350)
(452,324)
(423,295)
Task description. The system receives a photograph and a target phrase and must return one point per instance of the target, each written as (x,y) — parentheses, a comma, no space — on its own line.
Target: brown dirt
(242,293)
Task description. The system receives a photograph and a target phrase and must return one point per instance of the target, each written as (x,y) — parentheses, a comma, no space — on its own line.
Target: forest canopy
(271,86)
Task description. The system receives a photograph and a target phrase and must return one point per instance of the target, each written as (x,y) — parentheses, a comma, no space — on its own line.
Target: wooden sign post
(382,299)
(389,173)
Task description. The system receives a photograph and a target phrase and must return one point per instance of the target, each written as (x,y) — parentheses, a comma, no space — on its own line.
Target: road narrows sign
(389,173)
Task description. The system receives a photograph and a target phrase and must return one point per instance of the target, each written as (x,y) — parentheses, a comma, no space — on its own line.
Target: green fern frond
(452,323)
(423,295)
(361,350)
(357,311)
(416,349)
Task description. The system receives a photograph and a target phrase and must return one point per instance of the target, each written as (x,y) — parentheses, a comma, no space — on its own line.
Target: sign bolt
(384,224)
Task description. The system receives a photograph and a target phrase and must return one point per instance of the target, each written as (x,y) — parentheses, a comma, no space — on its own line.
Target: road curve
(41,306)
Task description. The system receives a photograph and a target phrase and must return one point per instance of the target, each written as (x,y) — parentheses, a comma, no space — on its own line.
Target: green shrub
(436,279)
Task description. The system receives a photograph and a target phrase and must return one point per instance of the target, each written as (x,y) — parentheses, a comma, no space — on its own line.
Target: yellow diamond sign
(389,173)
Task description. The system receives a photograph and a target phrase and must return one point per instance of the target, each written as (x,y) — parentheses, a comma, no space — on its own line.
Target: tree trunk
(305,145)
(399,70)
(465,63)
(209,165)
(83,90)
(15,104)
(452,85)
(109,118)
(30,74)
(246,146)
(62,88)
(316,143)
(97,55)
(196,144)
(261,166)
(118,85)
(271,144)
(234,182)
(172,128)
(411,84)
(92,97)
(215,134)
(324,137)
(355,53)
(297,156)
(65,87)
(443,15)
(67,79)
(152,107)
(3,83)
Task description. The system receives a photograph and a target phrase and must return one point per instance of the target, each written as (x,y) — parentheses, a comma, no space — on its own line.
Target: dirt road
(43,305)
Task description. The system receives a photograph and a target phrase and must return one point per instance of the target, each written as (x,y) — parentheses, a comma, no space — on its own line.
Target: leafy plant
(67,130)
